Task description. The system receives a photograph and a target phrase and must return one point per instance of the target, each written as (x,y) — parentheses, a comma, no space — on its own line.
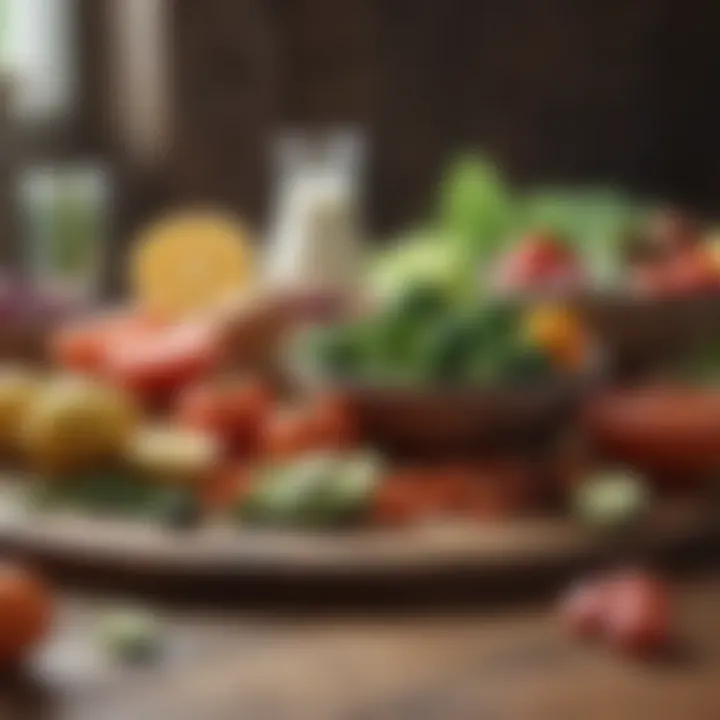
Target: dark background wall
(618,90)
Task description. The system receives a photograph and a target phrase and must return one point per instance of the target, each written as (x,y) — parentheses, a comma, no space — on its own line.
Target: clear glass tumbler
(64,214)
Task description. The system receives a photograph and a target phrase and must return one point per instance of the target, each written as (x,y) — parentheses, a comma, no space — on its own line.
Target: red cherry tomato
(415,494)
(478,492)
(226,488)
(540,261)
(326,424)
(288,433)
(199,408)
(405,497)
(640,616)
(232,410)
(539,251)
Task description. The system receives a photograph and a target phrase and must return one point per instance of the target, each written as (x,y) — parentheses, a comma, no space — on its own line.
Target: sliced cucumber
(130,635)
(320,490)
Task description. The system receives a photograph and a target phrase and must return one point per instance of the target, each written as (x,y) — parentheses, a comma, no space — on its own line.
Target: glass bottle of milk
(316,238)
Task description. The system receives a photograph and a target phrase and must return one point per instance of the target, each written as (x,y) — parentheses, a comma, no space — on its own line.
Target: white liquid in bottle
(316,243)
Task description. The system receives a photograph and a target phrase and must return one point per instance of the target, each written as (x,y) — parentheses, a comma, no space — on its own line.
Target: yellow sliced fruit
(172,455)
(76,424)
(189,262)
(18,389)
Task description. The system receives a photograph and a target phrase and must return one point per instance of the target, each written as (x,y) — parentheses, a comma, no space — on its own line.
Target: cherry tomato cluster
(246,418)
(487,491)
(253,426)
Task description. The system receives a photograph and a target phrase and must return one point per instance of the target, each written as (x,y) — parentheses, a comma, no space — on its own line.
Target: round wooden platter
(422,563)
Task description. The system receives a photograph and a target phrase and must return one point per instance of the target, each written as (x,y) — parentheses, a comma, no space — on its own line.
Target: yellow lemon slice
(189,262)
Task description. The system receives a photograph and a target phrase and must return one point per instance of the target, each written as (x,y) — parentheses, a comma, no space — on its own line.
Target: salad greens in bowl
(428,371)
(482,219)
(423,339)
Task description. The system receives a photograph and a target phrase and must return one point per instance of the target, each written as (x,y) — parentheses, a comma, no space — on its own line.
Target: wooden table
(490,665)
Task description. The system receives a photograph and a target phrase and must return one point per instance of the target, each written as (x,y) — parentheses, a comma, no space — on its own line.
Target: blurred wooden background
(620,90)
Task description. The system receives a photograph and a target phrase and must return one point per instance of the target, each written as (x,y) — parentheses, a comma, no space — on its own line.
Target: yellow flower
(559,331)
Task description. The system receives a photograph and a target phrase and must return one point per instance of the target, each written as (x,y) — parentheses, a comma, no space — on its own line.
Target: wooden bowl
(441,422)
(643,334)
(665,429)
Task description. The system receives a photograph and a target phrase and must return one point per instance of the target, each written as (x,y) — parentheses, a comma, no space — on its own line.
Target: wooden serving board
(419,564)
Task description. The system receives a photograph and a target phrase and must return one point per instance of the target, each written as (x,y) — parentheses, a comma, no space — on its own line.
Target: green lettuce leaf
(476,205)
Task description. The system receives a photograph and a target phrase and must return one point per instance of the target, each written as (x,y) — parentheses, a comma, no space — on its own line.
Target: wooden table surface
(485,665)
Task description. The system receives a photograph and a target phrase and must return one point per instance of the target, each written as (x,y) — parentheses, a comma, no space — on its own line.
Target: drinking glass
(64,213)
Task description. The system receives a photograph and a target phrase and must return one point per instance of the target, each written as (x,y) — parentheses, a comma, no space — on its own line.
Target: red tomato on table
(415,494)
(325,424)
(233,410)
(632,610)
(477,492)
(166,361)
(83,345)
(288,433)
(26,612)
